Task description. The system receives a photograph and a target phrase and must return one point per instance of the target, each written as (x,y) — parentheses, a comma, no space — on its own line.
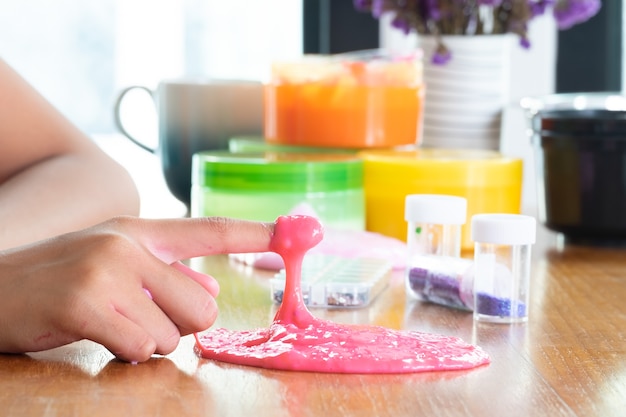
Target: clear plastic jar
(434,224)
(502,253)
(434,231)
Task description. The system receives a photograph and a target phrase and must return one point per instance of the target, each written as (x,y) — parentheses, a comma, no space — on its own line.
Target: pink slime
(298,341)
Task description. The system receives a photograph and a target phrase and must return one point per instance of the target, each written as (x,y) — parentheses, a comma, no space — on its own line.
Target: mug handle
(118,117)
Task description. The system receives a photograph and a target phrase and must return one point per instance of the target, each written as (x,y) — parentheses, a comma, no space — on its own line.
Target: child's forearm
(63,194)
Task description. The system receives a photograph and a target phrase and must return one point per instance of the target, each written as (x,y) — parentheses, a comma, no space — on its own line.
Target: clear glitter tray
(337,282)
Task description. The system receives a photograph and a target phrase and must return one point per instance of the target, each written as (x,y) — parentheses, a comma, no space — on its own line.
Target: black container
(580,159)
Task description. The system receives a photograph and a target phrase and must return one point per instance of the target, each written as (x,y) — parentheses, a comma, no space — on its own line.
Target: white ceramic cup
(196,116)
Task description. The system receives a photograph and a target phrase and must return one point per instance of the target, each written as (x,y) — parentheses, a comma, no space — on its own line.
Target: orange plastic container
(491,183)
(359,100)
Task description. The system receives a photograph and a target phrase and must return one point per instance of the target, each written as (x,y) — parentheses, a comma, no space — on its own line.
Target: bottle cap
(435,208)
(504,229)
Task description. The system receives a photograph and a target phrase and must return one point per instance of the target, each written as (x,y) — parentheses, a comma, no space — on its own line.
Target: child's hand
(119,283)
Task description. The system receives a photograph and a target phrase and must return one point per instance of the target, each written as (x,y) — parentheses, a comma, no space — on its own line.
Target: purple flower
(571,12)
(539,7)
(362,5)
(400,22)
(524,42)
(431,10)
(378,8)
(442,55)
(476,17)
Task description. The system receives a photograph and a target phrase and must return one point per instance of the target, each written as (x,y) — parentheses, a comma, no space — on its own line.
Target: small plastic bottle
(502,252)
(434,224)
(434,247)
(443,280)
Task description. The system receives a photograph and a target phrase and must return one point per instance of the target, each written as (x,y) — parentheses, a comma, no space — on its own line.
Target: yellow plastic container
(491,183)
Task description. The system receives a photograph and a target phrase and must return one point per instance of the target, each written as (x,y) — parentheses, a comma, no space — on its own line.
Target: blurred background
(80,54)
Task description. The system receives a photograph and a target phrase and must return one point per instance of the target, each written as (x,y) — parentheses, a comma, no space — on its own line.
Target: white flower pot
(465,97)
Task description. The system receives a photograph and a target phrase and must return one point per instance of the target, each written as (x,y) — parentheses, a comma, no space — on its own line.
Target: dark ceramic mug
(580,153)
(196,116)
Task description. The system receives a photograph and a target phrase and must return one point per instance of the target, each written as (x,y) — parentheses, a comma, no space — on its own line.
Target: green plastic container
(258,144)
(262,186)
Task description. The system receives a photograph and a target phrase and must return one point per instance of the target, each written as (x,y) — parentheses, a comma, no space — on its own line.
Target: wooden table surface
(568,360)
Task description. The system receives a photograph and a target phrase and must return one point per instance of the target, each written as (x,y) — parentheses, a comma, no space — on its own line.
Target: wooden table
(568,360)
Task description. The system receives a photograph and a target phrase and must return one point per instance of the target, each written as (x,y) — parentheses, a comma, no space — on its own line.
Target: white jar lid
(435,209)
(504,229)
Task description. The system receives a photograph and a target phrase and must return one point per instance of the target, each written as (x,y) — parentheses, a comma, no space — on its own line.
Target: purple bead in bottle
(502,251)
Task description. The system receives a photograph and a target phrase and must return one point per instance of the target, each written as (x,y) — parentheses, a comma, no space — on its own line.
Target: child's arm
(53,178)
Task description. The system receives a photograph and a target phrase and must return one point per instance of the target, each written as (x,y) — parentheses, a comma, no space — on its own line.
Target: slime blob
(298,341)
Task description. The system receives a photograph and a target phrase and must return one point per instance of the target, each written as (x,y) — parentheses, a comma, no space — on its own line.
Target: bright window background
(79,53)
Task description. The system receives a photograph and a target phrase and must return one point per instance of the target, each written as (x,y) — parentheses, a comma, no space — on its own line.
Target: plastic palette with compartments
(337,282)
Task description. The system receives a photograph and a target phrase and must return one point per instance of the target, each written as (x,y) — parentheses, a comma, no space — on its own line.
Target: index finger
(174,239)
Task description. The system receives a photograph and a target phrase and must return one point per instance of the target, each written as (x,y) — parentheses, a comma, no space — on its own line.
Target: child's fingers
(143,311)
(189,304)
(175,239)
(208,282)
(122,337)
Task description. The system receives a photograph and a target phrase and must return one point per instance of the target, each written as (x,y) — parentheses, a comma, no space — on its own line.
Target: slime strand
(293,237)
